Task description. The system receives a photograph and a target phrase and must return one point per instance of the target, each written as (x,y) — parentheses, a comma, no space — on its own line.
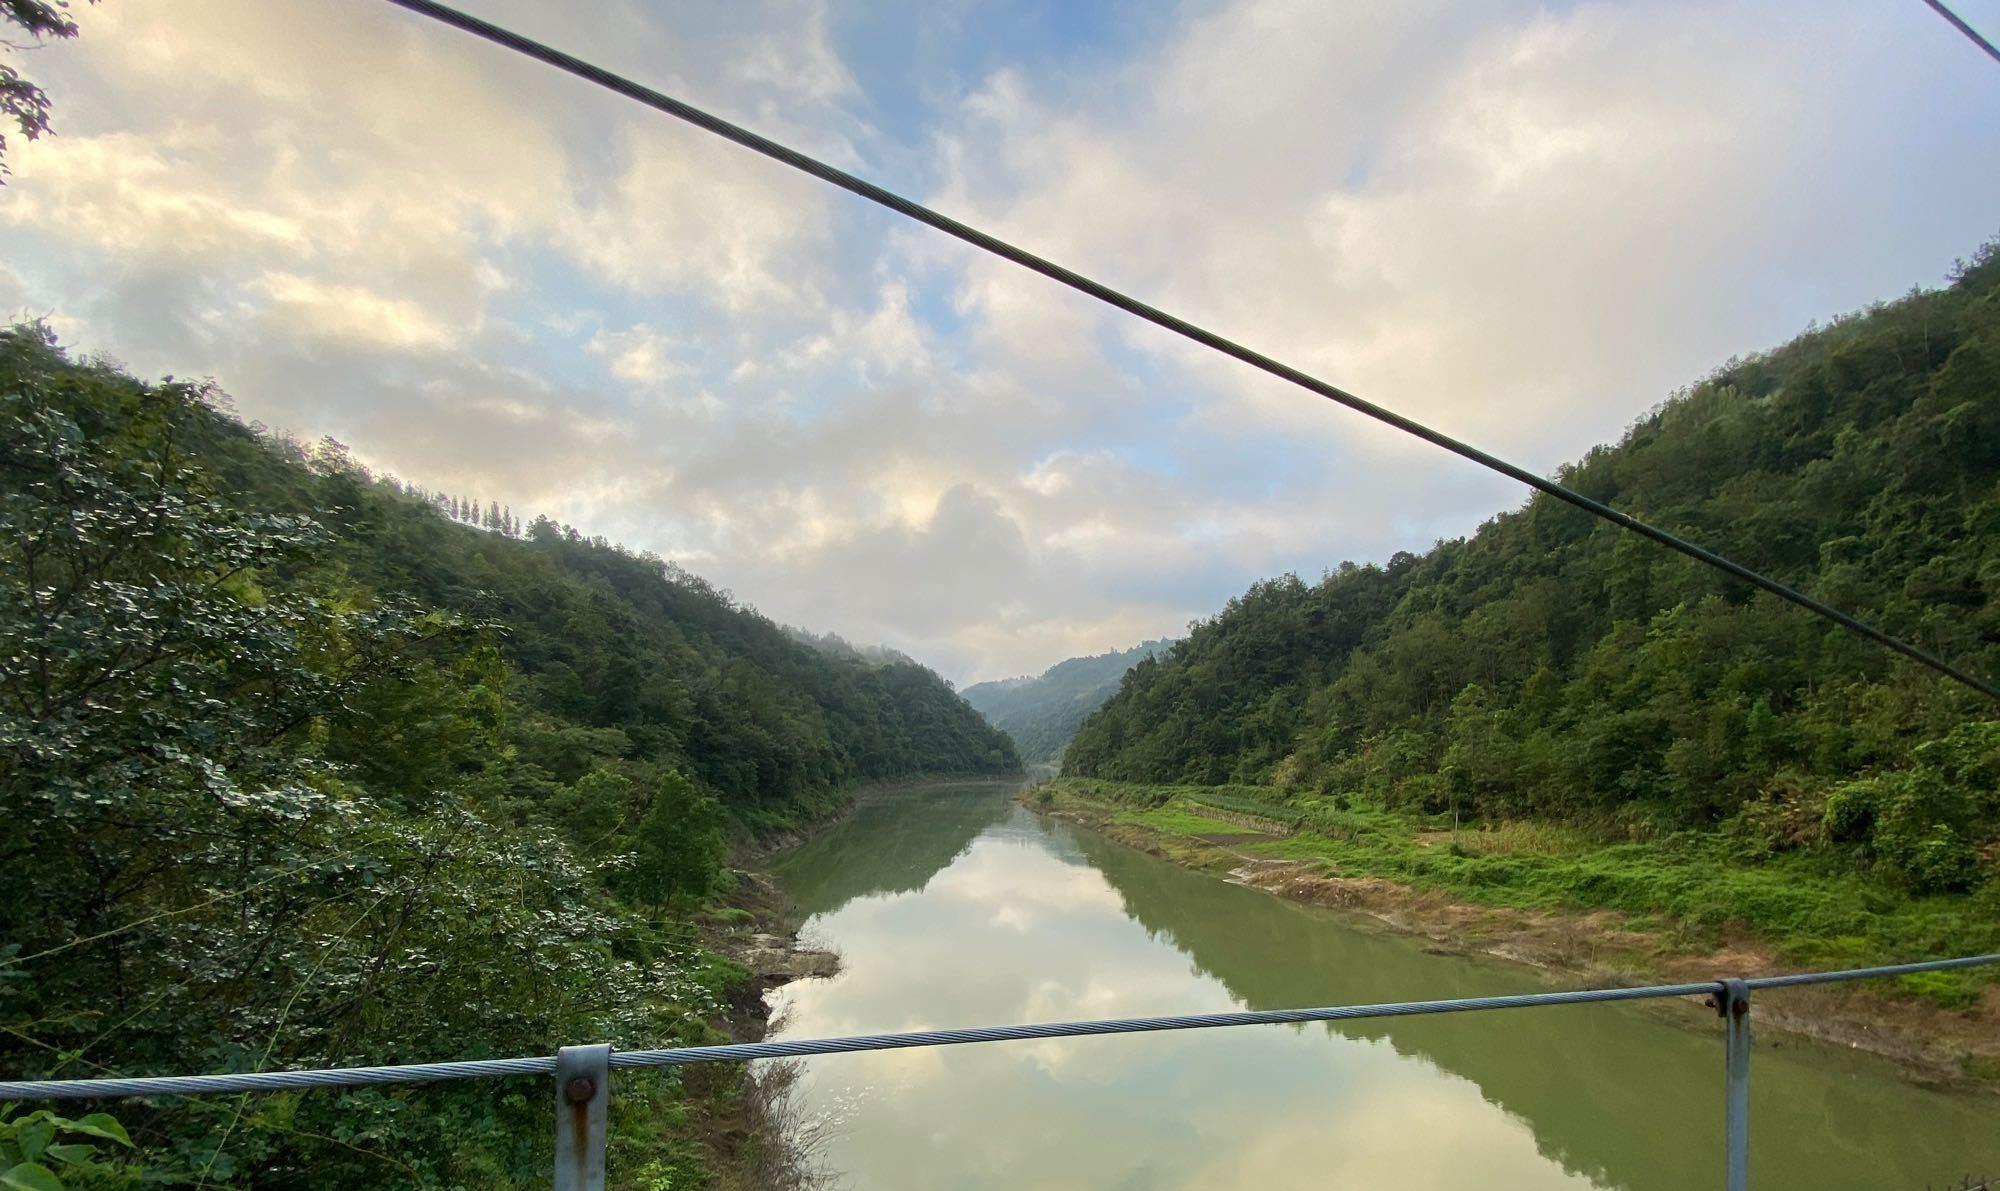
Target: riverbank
(1540,896)
(752,1131)
(748,1128)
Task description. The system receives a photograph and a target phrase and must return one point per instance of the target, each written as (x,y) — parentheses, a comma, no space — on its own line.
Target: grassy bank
(1663,907)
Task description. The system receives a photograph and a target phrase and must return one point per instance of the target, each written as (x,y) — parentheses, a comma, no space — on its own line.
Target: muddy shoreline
(748,1122)
(1930,1046)
(760,928)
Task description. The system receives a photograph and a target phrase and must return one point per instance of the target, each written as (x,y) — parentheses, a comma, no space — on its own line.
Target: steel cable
(265,1081)
(1152,314)
(1957,22)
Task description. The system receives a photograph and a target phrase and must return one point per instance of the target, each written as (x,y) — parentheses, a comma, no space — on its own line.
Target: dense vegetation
(297,771)
(1552,667)
(1041,714)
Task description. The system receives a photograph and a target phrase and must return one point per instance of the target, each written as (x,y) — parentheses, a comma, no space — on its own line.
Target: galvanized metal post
(583,1097)
(1734,1006)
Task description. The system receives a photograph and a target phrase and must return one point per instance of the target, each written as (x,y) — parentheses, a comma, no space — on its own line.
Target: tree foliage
(1553,666)
(678,846)
(298,771)
(23,103)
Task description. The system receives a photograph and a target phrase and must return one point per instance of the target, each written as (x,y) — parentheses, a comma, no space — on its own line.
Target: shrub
(1850,812)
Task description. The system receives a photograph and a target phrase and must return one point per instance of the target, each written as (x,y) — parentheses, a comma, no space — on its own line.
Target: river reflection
(952,906)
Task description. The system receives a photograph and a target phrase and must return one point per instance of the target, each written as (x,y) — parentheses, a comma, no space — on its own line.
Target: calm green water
(952,906)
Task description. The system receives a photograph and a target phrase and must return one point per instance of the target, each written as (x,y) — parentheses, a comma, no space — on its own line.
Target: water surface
(952,906)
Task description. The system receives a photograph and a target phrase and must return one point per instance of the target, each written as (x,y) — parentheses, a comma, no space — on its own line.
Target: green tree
(21,101)
(678,847)
(1617,683)
(252,812)
(300,772)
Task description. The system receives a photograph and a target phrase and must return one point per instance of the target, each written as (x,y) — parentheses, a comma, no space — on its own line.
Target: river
(953,906)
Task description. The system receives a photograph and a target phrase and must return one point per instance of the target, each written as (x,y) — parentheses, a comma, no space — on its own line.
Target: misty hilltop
(1041,712)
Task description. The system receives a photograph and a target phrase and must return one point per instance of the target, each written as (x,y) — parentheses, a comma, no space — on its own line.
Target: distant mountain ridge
(1042,712)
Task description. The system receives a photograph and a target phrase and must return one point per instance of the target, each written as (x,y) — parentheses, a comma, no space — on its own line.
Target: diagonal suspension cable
(1179,326)
(1958,23)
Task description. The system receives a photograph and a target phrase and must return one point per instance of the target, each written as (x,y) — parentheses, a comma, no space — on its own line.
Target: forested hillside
(297,772)
(1553,666)
(651,660)
(1041,714)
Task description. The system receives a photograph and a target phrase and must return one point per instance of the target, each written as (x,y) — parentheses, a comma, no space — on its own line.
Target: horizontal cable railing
(584,1071)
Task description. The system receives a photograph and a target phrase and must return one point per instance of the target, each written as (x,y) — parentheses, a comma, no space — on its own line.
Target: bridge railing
(583,1073)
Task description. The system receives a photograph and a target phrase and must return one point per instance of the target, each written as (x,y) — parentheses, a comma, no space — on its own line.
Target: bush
(1850,812)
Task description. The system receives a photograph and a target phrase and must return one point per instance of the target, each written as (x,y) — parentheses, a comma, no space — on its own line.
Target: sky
(1523,223)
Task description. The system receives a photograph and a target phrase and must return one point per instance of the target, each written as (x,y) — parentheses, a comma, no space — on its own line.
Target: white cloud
(1521,223)
(638,354)
(687,212)
(350,314)
(802,65)
(119,192)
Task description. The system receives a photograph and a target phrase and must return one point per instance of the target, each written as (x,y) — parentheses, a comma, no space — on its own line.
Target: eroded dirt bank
(751,1126)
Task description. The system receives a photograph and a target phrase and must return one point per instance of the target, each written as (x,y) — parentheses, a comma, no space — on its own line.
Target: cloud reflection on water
(1009,931)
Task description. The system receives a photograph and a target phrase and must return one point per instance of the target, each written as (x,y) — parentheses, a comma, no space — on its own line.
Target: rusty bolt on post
(1737,1008)
(583,1087)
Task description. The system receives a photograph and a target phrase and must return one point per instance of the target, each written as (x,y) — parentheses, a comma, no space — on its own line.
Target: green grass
(1176,819)
(1250,806)
(1809,910)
